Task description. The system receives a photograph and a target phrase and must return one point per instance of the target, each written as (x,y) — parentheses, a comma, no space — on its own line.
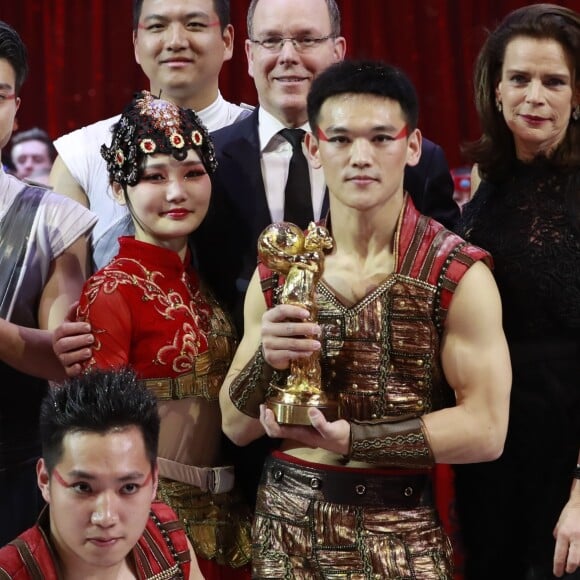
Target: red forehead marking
(59,478)
(402,133)
(148,479)
(208,25)
(62,482)
(321,135)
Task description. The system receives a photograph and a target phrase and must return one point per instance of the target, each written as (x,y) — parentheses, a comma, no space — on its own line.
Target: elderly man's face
(283,75)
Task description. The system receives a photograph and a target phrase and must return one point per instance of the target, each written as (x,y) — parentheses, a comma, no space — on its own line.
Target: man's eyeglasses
(301,43)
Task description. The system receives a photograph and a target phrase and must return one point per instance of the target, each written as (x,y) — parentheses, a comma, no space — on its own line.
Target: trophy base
(297,414)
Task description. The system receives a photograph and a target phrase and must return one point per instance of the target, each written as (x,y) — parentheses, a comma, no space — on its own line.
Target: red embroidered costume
(160,553)
(148,310)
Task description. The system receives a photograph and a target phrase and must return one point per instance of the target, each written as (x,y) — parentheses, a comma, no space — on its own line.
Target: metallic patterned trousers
(218,525)
(313,524)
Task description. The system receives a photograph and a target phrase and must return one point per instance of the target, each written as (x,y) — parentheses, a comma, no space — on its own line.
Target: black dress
(508,508)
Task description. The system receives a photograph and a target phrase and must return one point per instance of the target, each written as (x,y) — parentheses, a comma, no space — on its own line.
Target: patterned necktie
(297,196)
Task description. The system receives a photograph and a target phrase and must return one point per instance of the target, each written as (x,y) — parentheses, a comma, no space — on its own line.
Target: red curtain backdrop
(83,69)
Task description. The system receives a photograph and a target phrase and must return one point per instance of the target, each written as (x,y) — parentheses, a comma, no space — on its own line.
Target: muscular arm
(239,427)
(70,339)
(64,285)
(476,363)
(30,350)
(62,181)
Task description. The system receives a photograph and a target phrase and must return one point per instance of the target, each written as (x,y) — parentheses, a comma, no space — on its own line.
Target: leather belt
(357,487)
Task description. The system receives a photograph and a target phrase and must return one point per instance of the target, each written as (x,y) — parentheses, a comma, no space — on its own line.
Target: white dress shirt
(275,161)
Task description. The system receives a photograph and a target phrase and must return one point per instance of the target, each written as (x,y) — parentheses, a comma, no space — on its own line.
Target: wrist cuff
(249,389)
(397,444)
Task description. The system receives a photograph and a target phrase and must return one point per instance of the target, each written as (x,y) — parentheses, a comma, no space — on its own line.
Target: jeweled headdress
(151,125)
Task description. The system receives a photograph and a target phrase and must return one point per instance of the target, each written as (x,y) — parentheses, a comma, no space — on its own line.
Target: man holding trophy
(403,321)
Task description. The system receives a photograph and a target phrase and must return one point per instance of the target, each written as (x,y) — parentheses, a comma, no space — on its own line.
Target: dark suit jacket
(226,241)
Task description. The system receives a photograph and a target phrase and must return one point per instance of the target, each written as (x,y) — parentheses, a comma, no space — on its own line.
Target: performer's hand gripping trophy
(285,249)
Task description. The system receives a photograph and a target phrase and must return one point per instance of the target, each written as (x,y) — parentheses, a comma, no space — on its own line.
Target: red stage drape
(83,69)
(82,65)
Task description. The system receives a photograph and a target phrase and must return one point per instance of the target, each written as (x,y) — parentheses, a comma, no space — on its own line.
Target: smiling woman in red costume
(149,310)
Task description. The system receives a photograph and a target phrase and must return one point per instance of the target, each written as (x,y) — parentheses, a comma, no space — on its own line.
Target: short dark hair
(98,401)
(333,13)
(35,134)
(495,151)
(221,7)
(13,50)
(363,77)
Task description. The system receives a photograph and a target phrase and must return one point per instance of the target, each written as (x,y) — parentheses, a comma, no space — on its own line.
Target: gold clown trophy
(285,249)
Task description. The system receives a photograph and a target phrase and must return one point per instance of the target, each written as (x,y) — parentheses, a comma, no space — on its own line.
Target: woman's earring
(576,113)
(498,105)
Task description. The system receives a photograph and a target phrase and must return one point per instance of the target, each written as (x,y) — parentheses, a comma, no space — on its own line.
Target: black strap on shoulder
(15,229)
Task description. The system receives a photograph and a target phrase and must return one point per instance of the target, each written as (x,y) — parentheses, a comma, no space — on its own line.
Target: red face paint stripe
(208,25)
(321,135)
(62,482)
(402,133)
(148,479)
(59,478)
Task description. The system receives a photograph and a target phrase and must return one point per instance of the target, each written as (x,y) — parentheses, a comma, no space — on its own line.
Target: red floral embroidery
(189,309)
